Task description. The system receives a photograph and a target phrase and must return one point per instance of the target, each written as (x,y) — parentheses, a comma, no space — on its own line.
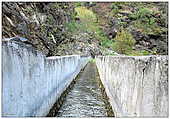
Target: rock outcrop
(52,26)
(40,22)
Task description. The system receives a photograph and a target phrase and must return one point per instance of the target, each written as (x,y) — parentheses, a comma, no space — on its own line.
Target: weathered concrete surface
(31,82)
(136,86)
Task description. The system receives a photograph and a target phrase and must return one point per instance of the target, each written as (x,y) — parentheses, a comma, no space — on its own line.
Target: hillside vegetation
(117,28)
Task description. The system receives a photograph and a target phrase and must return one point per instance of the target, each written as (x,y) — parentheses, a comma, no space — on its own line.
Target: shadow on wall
(137,86)
(31,82)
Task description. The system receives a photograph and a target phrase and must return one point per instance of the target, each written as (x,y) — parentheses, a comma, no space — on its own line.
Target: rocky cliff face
(47,25)
(136,86)
(41,23)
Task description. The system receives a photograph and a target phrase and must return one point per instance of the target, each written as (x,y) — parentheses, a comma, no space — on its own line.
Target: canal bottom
(85,97)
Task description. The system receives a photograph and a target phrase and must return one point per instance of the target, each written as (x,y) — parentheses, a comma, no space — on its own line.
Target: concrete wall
(136,86)
(31,83)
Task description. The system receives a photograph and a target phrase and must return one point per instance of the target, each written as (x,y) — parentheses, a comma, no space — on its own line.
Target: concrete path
(85,99)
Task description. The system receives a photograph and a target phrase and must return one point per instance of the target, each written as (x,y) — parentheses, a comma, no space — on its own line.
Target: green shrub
(115,9)
(85,15)
(144,52)
(138,53)
(145,21)
(71,26)
(124,42)
(142,13)
(106,43)
(78,4)
(92,60)
(147,28)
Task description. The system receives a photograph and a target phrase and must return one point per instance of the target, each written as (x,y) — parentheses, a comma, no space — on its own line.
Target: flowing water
(85,99)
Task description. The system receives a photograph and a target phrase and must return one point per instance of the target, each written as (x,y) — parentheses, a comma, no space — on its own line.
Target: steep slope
(89,28)
(146,22)
(41,23)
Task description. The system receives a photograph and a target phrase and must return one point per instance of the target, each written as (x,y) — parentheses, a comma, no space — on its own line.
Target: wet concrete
(85,99)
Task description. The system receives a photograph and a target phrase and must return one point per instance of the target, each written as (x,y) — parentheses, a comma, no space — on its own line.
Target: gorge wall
(31,82)
(136,86)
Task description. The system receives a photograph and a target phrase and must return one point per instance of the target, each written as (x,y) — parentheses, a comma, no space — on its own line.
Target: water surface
(85,99)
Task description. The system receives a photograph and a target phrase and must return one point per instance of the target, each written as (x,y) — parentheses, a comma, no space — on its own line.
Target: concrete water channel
(85,98)
(34,85)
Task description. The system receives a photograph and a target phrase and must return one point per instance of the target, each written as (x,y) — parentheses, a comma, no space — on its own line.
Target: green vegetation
(88,22)
(28,10)
(72,26)
(106,43)
(123,42)
(115,8)
(97,28)
(142,13)
(146,22)
(142,20)
(92,60)
(147,28)
(78,4)
(50,19)
(139,53)
(85,14)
